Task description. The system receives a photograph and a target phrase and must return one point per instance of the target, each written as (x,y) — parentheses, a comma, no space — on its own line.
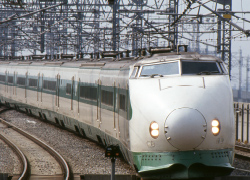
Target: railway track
(38,159)
(242,152)
(242,148)
(21,156)
(77,151)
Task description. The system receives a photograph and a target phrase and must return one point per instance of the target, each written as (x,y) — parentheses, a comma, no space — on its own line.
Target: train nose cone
(185,128)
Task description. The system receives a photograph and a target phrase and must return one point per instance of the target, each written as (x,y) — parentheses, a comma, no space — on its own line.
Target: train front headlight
(154,129)
(215,127)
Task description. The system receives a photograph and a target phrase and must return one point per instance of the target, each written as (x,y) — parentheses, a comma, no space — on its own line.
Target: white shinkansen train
(171,114)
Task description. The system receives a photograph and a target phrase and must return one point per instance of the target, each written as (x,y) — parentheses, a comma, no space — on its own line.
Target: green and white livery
(171,114)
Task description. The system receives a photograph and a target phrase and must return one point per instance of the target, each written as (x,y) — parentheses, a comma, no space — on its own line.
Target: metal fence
(242,122)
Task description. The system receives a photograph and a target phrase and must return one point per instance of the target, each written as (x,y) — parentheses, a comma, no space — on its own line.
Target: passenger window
(107,97)
(2,78)
(21,81)
(68,88)
(123,102)
(33,82)
(10,79)
(88,92)
(49,85)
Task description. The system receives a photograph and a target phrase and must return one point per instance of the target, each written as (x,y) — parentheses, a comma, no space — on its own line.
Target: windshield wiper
(153,75)
(207,72)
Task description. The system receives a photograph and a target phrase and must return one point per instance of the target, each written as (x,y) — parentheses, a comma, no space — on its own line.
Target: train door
(26,84)
(99,99)
(42,89)
(57,100)
(38,86)
(118,109)
(10,85)
(115,110)
(72,93)
(5,83)
(127,114)
(123,114)
(78,97)
(14,85)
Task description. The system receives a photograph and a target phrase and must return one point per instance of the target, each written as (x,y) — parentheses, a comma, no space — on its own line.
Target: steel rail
(242,155)
(54,153)
(242,148)
(20,154)
(244,170)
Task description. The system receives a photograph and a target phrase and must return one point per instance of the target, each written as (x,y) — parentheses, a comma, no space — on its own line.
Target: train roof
(179,56)
(107,63)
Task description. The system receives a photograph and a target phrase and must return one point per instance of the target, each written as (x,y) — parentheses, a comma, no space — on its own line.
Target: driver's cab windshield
(200,68)
(179,67)
(160,69)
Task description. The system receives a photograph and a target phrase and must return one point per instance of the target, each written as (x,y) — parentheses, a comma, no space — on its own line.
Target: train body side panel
(60,97)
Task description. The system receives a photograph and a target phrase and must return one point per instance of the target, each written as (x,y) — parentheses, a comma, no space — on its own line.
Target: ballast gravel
(82,155)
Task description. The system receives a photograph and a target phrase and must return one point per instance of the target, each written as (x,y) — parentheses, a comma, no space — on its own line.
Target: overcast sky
(242,5)
(243,43)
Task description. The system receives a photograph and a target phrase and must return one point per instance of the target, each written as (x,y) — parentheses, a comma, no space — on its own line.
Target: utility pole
(224,32)
(226,38)
(42,19)
(173,30)
(240,74)
(247,77)
(114,24)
